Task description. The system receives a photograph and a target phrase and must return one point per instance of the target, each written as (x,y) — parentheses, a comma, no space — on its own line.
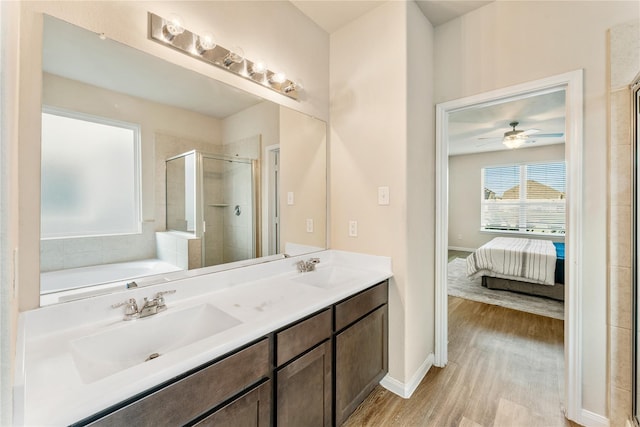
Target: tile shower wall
(624,48)
(59,254)
(183,250)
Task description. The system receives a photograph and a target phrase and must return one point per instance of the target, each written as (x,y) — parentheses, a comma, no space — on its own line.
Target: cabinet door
(252,409)
(361,361)
(304,390)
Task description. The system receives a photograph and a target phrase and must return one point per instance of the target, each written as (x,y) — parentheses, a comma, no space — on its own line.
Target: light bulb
(259,67)
(278,77)
(235,56)
(205,42)
(174,26)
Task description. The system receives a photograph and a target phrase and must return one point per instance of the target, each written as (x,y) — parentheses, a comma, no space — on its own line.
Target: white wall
(505,43)
(287,39)
(376,141)
(465,176)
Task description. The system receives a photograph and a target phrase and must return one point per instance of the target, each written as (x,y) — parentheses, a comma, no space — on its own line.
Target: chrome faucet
(309,265)
(149,307)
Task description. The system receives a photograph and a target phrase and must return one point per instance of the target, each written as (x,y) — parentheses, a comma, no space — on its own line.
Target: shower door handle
(204,226)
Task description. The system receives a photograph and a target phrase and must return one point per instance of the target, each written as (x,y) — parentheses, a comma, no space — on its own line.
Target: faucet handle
(314,260)
(160,298)
(130,309)
(171,291)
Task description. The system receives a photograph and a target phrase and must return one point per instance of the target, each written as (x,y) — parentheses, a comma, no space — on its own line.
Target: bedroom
(510,193)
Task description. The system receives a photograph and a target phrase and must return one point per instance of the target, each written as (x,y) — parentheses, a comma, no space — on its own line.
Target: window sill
(555,236)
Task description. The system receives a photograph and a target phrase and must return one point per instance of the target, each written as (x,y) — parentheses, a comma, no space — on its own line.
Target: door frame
(572,83)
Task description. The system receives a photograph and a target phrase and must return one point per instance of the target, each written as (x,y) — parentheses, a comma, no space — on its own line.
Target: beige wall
(420,175)
(376,141)
(303,161)
(489,49)
(281,40)
(464,189)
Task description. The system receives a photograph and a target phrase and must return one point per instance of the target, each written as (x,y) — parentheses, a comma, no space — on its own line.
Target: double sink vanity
(260,345)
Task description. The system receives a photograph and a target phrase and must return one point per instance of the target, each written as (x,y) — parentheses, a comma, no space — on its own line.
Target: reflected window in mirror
(90,176)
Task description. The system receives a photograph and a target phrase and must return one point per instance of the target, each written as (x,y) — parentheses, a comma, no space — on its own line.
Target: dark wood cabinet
(191,397)
(252,409)
(361,359)
(304,390)
(304,373)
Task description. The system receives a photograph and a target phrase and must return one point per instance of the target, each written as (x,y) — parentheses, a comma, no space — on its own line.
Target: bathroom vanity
(286,348)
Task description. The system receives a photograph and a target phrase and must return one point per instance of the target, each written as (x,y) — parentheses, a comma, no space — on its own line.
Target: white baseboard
(591,419)
(406,390)
(459,248)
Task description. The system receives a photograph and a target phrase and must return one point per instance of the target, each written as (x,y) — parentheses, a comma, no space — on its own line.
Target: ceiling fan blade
(549,135)
(530,131)
(497,138)
(482,144)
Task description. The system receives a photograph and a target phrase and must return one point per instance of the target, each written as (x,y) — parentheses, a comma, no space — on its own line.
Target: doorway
(572,84)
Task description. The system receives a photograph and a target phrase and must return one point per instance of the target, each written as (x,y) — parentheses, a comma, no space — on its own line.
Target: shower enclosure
(215,198)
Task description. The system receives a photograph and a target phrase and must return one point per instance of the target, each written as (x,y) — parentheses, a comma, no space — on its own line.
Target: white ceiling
(332,15)
(545,112)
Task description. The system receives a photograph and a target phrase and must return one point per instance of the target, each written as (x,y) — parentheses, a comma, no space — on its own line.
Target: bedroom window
(90,176)
(525,198)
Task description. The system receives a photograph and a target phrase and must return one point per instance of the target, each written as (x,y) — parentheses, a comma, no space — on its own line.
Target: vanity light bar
(164,32)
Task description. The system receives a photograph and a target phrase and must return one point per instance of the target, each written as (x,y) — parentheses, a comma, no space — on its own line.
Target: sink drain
(152,356)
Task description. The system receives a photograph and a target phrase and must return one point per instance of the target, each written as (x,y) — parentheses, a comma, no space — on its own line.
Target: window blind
(527,198)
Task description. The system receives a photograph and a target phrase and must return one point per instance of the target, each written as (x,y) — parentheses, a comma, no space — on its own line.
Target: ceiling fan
(515,138)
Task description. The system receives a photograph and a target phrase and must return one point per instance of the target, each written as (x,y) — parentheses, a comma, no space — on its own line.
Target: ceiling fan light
(514,141)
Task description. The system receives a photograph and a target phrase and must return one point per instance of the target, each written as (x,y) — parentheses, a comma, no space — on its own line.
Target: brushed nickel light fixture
(171,32)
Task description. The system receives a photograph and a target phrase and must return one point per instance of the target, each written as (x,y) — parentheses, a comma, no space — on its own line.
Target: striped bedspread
(528,260)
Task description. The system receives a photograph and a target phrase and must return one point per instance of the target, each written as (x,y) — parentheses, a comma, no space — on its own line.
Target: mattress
(530,260)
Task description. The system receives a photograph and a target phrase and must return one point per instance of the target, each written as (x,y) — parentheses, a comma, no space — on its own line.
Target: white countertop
(49,390)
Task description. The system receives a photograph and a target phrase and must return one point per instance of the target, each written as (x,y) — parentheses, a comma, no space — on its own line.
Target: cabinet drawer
(357,306)
(302,336)
(192,396)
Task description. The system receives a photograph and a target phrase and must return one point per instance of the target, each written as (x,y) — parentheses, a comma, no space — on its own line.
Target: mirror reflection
(205,177)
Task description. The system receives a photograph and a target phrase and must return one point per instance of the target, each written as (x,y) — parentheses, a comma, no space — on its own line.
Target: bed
(531,266)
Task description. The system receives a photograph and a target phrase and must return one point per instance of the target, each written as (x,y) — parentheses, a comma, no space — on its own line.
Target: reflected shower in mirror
(212,200)
(170,111)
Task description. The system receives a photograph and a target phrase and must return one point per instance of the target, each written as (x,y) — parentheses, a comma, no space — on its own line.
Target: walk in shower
(216,199)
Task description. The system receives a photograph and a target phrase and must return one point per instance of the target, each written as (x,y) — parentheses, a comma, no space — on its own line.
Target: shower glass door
(229,203)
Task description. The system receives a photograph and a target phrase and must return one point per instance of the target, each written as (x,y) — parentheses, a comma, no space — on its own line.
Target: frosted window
(526,198)
(89,177)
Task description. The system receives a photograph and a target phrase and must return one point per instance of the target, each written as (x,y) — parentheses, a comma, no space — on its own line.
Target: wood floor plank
(505,366)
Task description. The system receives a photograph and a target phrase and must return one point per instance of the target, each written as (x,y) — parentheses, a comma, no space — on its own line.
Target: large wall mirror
(151,172)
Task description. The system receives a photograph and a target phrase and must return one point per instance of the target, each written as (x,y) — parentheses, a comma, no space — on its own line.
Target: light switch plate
(290,198)
(353,228)
(383,196)
(309,225)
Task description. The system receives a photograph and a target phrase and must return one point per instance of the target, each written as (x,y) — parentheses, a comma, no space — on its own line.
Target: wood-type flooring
(505,370)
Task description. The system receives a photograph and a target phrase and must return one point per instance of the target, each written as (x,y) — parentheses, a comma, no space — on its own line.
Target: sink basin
(326,277)
(128,344)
